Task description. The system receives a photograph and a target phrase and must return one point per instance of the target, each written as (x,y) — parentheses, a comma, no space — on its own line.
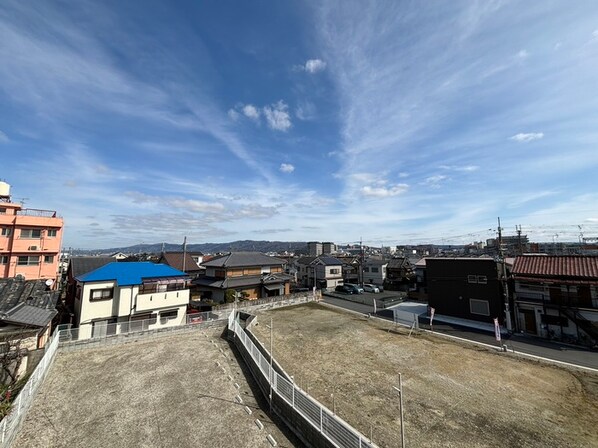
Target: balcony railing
(37,212)
(153,288)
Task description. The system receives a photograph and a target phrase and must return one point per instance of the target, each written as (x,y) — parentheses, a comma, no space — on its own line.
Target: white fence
(137,327)
(11,423)
(336,430)
(286,300)
(406,318)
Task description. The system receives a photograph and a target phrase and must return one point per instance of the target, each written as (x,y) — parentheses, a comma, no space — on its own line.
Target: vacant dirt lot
(166,392)
(455,395)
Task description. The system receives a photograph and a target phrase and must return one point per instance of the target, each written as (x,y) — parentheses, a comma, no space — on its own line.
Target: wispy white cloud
(463,168)
(435,181)
(384,191)
(314,66)
(233,114)
(3,137)
(527,137)
(522,54)
(277,116)
(306,110)
(287,168)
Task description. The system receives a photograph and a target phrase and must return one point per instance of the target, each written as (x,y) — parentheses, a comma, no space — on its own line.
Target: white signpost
(497,329)
(432,311)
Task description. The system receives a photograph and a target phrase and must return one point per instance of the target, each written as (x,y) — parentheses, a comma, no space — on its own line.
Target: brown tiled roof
(175,260)
(567,266)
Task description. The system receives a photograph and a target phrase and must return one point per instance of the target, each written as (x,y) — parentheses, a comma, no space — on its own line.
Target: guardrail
(323,420)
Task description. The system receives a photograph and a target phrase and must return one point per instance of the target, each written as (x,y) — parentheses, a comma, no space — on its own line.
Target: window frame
(28,263)
(473,279)
(51,257)
(4,259)
(480,301)
(168,315)
(30,237)
(6,231)
(482,280)
(103,297)
(52,233)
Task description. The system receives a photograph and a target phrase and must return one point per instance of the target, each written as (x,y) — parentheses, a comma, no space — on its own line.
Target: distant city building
(328,248)
(30,240)
(314,248)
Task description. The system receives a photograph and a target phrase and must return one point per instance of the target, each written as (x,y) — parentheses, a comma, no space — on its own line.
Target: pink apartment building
(30,240)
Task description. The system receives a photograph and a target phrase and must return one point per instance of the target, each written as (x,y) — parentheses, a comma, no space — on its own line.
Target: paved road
(519,343)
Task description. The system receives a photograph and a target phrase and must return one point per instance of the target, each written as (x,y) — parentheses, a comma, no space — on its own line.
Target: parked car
(368,287)
(355,288)
(344,289)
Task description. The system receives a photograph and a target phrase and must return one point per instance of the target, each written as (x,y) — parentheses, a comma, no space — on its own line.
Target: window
(375,269)
(2,211)
(366,269)
(482,279)
(481,307)
(335,271)
(52,233)
(3,259)
(472,279)
(31,233)
(101,294)
(28,261)
(6,231)
(165,316)
(48,258)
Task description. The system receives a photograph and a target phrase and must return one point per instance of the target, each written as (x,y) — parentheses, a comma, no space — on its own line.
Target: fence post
(19,406)
(321,420)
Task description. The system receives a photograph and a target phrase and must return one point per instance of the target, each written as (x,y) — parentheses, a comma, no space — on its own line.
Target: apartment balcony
(37,212)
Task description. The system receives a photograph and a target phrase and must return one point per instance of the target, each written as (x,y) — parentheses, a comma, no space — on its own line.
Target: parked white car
(368,287)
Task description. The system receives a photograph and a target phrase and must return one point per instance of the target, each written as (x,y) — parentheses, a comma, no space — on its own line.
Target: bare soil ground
(166,392)
(455,395)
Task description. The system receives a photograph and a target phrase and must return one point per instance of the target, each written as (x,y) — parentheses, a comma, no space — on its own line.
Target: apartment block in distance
(30,240)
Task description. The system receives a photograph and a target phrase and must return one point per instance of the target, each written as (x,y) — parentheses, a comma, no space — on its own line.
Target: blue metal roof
(130,273)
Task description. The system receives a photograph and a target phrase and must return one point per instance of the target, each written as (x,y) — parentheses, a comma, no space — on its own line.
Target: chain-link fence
(336,430)
(11,422)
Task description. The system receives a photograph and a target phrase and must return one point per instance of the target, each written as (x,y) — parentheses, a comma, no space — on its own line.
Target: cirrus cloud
(380,191)
(527,137)
(314,66)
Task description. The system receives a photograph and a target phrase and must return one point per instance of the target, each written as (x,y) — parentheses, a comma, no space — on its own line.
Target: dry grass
(456,395)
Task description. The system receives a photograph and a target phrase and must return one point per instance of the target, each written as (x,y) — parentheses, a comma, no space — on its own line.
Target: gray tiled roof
(237,282)
(82,265)
(242,259)
(27,302)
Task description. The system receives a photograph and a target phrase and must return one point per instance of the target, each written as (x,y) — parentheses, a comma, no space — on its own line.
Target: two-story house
(557,296)
(30,240)
(374,271)
(251,275)
(467,288)
(323,272)
(399,274)
(121,296)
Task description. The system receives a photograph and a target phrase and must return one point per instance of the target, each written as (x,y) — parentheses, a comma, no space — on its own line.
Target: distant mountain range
(206,248)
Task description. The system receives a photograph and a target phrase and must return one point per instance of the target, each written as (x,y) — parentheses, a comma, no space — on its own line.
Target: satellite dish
(49,282)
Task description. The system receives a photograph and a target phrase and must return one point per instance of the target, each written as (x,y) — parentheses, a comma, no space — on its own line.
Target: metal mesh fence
(340,433)
(11,423)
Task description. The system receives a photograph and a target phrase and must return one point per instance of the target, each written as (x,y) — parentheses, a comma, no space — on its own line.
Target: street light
(400,391)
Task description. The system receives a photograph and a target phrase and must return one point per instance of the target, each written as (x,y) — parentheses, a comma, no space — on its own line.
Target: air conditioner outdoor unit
(32,247)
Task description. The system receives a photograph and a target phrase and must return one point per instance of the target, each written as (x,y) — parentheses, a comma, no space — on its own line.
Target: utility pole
(400,391)
(504,279)
(184,252)
(519,247)
(361,261)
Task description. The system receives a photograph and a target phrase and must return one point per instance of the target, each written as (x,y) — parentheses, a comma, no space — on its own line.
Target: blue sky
(399,122)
